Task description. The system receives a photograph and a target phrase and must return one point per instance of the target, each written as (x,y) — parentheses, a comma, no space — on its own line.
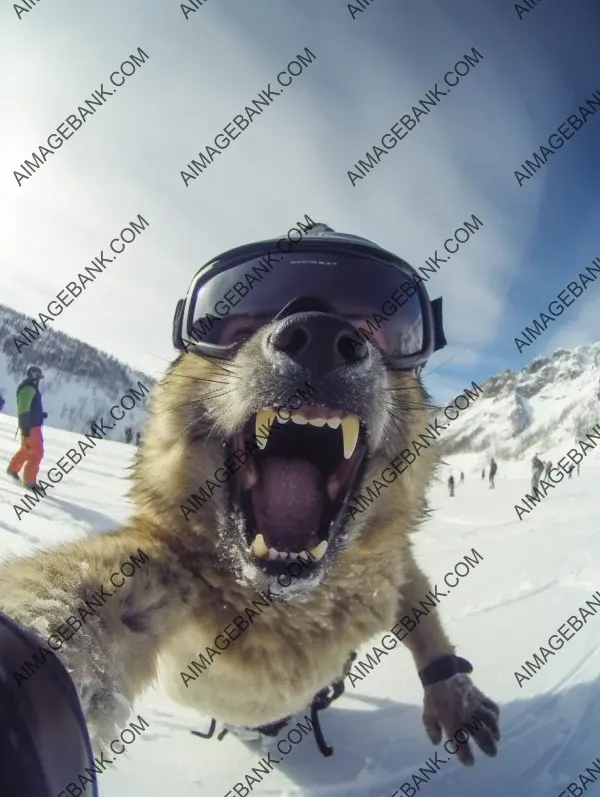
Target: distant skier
(31,417)
(537,467)
(2,402)
(138,439)
(570,471)
(451,486)
(548,469)
(128,434)
(462,477)
(483,474)
(578,466)
(493,470)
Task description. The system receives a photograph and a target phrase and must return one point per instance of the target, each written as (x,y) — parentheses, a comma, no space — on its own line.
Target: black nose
(320,342)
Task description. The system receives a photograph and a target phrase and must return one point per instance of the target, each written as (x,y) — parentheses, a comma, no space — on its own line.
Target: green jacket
(29,406)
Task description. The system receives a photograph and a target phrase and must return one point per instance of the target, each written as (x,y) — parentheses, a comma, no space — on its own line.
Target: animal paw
(98,686)
(107,715)
(451,705)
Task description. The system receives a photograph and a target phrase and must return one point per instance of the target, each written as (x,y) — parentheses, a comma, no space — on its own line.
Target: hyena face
(263,452)
(263,433)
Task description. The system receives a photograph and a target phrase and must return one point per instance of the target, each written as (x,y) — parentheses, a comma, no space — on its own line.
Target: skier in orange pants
(31,418)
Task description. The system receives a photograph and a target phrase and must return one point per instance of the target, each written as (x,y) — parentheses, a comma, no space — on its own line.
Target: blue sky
(294,159)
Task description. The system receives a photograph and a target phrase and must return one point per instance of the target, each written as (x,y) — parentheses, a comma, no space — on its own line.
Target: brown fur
(175,605)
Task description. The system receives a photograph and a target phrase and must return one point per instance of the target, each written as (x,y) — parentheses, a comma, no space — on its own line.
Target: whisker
(158,357)
(412,406)
(400,401)
(200,417)
(185,428)
(216,363)
(446,361)
(201,379)
(396,422)
(223,368)
(420,399)
(212,396)
(174,407)
(211,430)
(196,403)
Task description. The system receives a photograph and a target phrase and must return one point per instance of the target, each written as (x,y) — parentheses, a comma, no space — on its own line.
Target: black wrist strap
(444,668)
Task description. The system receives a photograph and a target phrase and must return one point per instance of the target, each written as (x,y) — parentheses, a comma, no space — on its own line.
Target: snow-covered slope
(551,402)
(81,383)
(533,575)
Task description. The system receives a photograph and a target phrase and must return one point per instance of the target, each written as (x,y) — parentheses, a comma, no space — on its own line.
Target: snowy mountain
(81,383)
(551,402)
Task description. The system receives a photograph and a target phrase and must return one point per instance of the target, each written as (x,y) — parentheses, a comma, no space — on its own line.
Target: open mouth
(293,489)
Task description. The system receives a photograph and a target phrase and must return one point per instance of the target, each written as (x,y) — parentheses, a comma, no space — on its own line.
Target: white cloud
(291,161)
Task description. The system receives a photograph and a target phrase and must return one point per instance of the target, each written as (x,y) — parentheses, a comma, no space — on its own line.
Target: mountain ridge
(81,381)
(552,400)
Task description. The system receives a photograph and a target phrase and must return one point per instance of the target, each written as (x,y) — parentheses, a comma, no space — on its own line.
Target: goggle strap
(178,324)
(439,339)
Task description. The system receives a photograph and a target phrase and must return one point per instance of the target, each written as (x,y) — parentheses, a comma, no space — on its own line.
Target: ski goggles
(377,293)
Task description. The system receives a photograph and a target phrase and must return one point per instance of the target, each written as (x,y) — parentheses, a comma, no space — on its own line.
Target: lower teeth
(261,551)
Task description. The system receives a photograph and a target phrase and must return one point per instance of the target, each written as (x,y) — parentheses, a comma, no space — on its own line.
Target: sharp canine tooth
(259,547)
(317,421)
(350,429)
(263,419)
(300,419)
(319,551)
(333,422)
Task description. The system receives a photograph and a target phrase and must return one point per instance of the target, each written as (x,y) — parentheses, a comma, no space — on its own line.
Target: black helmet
(35,372)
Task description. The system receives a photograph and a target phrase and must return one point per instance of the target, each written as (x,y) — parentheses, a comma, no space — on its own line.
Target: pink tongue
(288,502)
